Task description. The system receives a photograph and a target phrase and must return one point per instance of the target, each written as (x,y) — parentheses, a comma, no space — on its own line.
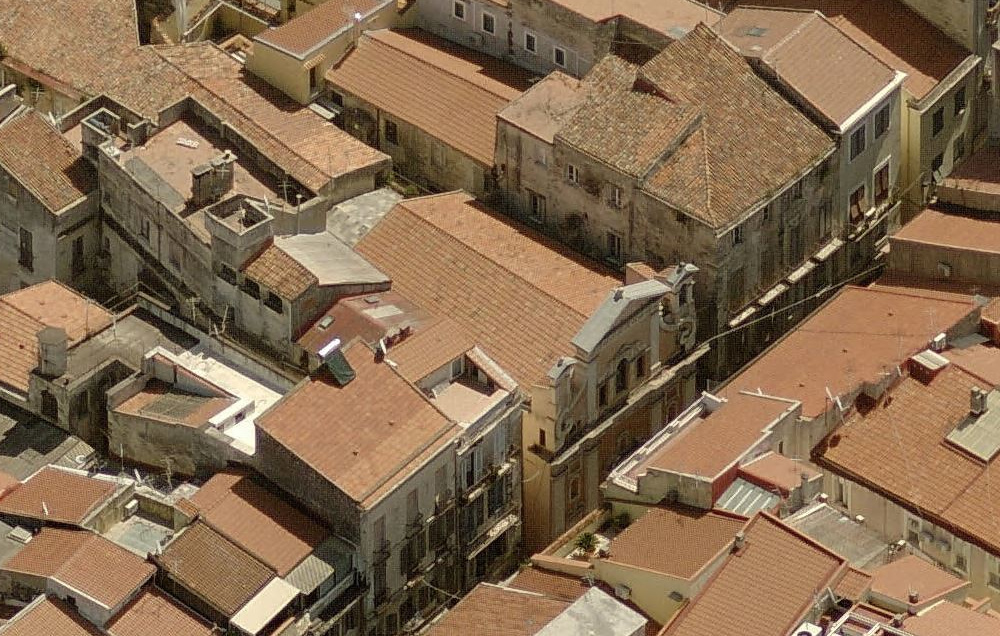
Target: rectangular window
(536,206)
(641,369)
(797,190)
(995,580)
(541,437)
(937,122)
(960,102)
(737,235)
(882,120)
(960,562)
(273,302)
(559,56)
(621,377)
(227,274)
(26,258)
(614,246)
(859,204)
(489,23)
(11,188)
(882,184)
(858,141)
(144,228)
(572,173)
(250,288)
(458,9)
(825,226)
(530,42)
(78,255)
(391,132)
(602,394)
(958,148)
(736,289)
(616,196)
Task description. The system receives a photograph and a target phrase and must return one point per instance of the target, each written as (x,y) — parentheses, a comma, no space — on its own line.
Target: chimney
(977,401)
(739,542)
(52,347)
(210,181)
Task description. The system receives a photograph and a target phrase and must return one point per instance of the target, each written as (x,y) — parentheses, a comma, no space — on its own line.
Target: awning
(262,608)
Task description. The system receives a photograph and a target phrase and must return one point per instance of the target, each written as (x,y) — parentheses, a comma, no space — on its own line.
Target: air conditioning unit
(131,508)
(623,592)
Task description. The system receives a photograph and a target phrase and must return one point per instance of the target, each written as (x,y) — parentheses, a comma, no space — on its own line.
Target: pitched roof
(708,446)
(429,348)
(853,585)
(565,587)
(27,311)
(927,473)
(306,31)
(274,532)
(519,294)
(275,269)
(41,159)
(298,140)
(911,573)
(153,613)
(850,340)
(386,425)
(489,610)
(70,40)
(51,617)
(85,562)
(832,72)
(949,619)
(68,497)
(745,149)
(765,589)
(697,538)
(774,469)
(894,33)
(166,403)
(630,130)
(965,231)
(427,81)
(213,568)
(669,17)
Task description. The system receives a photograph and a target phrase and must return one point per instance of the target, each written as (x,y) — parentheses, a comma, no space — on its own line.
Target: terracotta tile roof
(489,610)
(976,174)
(565,587)
(51,617)
(274,532)
(764,590)
(366,316)
(744,150)
(188,409)
(962,231)
(669,17)
(41,159)
(425,81)
(545,107)
(894,33)
(949,619)
(385,423)
(55,305)
(213,568)
(697,539)
(982,361)
(832,72)
(312,150)
(153,613)
(629,130)
(430,348)
(83,561)
(773,469)
(70,40)
(276,270)
(911,573)
(850,340)
(707,447)
(69,497)
(923,470)
(307,31)
(854,584)
(519,294)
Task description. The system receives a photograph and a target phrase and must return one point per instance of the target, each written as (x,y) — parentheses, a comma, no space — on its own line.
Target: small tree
(587,542)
